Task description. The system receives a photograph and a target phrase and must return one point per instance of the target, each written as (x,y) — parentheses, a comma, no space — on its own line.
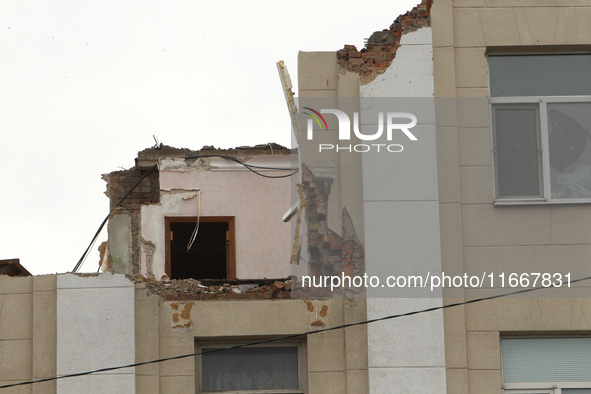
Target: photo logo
(315,117)
(392,123)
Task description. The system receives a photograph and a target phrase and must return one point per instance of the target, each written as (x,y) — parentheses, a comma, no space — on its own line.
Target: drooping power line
(390,317)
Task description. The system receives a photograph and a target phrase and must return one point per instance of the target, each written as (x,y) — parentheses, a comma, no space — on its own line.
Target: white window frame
(532,391)
(541,387)
(200,344)
(543,102)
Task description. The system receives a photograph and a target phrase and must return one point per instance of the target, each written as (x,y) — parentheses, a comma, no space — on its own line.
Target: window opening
(211,255)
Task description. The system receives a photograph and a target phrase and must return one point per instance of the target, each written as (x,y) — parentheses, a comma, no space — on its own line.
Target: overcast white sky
(85,85)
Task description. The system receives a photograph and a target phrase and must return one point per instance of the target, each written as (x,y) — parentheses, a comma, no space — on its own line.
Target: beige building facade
(486,189)
(498,73)
(536,236)
(55,325)
(142,308)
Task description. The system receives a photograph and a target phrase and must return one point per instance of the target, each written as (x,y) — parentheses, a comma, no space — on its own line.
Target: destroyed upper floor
(208,214)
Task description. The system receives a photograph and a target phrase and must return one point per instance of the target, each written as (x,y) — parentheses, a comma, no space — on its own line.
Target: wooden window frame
(230,261)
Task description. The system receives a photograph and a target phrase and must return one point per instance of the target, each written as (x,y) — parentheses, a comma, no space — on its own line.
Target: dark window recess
(210,256)
(257,368)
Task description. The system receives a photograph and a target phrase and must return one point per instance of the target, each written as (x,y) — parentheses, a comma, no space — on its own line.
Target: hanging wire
(196,230)
(359,323)
(155,166)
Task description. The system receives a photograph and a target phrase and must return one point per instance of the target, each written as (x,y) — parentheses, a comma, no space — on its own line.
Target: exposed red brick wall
(121,182)
(381,47)
(330,253)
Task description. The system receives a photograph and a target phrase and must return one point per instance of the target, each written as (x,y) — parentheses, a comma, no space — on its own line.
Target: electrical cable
(248,166)
(417,312)
(232,158)
(85,254)
(196,230)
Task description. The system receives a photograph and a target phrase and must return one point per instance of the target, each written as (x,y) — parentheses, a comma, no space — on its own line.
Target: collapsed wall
(381,47)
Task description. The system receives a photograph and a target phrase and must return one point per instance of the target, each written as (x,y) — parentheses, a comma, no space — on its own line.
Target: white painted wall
(120,241)
(263,240)
(401,224)
(411,72)
(95,329)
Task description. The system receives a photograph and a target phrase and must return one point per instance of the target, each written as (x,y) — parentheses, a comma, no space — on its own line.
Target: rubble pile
(214,288)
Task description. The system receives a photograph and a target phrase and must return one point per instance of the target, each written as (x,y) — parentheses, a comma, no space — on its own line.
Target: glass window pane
(256,368)
(576,391)
(540,75)
(569,138)
(517,156)
(546,359)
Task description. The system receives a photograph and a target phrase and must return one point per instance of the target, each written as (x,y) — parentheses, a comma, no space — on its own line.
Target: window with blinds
(275,367)
(559,365)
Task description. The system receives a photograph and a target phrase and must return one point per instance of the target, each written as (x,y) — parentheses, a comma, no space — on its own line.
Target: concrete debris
(186,289)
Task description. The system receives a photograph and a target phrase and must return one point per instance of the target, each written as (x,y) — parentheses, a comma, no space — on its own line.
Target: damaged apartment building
(197,258)
(186,209)
(456,142)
